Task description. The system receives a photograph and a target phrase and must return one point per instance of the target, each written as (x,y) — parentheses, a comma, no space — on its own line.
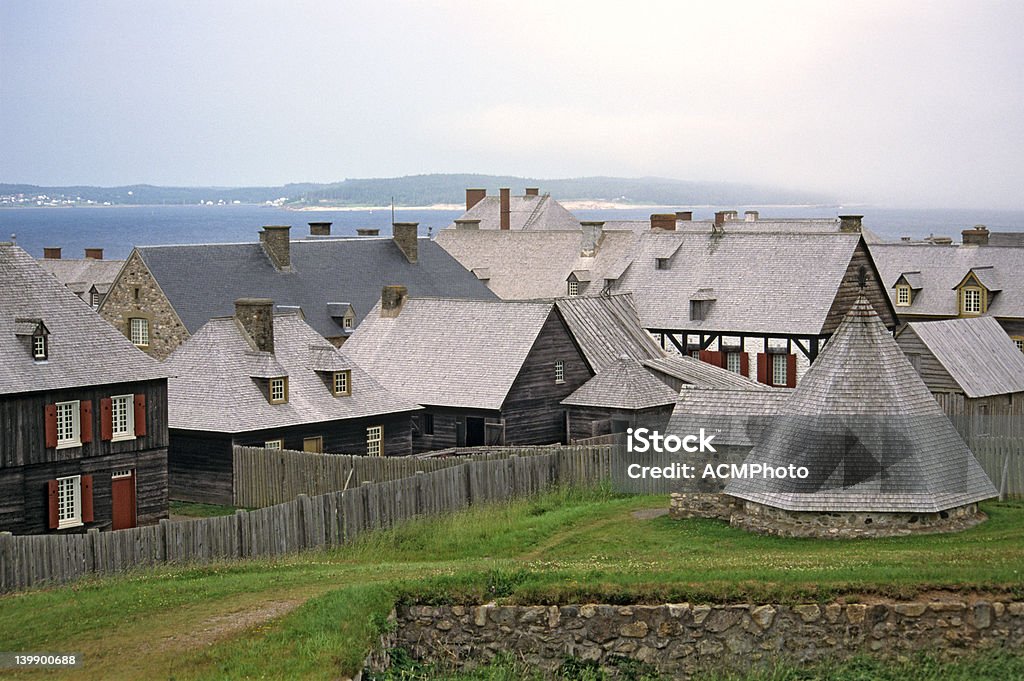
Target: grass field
(315,615)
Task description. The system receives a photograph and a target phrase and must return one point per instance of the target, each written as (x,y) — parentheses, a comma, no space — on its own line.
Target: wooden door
(313,444)
(474,431)
(122,492)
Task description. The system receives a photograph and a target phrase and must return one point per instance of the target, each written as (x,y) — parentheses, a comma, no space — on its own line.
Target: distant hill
(424,190)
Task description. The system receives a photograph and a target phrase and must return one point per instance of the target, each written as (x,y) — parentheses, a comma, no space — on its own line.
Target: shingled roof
(82,348)
(735,415)
(81,274)
(530,212)
(976,352)
(213,387)
(702,374)
(869,432)
(202,281)
(607,327)
(622,385)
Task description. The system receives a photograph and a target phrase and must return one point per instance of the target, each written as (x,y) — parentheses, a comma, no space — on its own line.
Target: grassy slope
(313,615)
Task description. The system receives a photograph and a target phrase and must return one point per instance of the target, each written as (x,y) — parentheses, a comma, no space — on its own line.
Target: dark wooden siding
(199,467)
(932,372)
(447,424)
(585,422)
(532,410)
(849,289)
(341,437)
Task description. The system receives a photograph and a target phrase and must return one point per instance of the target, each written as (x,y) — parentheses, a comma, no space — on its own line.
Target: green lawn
(315,615)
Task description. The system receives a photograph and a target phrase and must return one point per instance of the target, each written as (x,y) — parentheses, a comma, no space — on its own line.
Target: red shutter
(713,357)
(86,498)
(744,364)
(85,412)
(705,356)
(51,502)
(51,426)
(140,415)
(762,368)
(106,419)
(790,371)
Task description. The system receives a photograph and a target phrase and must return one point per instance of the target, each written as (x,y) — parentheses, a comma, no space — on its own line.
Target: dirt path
(221,626)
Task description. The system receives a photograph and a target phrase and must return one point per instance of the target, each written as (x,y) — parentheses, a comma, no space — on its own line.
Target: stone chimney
(720,218)
(751,215)
(405,236)
(320,229)
(850,223)
(256,317)
(506,207)
(977,236)
(94,254)
(51,253)
(392,298)
(533,191)
(467,224)
(592,231)
(663,221)
(367,231)
(275,240)
(684,215)
(474,196)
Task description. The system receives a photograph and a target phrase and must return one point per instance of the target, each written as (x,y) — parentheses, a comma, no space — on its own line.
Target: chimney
(684,215)
(467,224)
(591,236)
(473,197)
(905,238)
(751,215)
(663,221)
(51,253)
(367,231)
(977,236)
(732,215)
(533,191)
(850,223)
(320,229)
(405,236)
(392,298)
(94,253)
(506,208)
(256,317)
(276,243)
(720,218)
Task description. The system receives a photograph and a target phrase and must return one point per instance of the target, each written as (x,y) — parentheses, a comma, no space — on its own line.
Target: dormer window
(40,347)
(341,384)
(573,288)
(971,300)
(661,263)
(278,390)
(348,322)
(976,291)
(903,295)
(1018,341)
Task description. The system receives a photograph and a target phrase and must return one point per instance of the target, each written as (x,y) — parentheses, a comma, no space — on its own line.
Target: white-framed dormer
(976,291)
(36,335)
(906,288)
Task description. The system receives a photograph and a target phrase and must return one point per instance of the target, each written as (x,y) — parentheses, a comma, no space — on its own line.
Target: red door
(122,489)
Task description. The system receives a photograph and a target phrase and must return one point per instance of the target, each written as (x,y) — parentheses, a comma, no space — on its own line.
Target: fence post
(243,544)
(165,540)
(303,520)
(1004,482)
(95,551)
(6,561)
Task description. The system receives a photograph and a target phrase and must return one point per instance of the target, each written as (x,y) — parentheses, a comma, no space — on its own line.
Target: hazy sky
(910,103)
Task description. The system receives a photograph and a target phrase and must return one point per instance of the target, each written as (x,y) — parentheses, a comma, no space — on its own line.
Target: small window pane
(69,503)
(277,390)
(140,332)
(732,362)
(39,347)
(122,410)
(374,440)
(273,444)
(779,369)
(559,371)
(67,423)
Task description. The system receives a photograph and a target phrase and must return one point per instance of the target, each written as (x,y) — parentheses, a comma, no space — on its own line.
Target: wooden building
(83,414)
(973,369)
(269,380)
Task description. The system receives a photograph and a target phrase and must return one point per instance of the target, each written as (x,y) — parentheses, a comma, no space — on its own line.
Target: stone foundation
(763,519)
(680,639)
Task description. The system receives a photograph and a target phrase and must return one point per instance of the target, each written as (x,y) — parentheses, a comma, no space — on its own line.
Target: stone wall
(682,638)
(703,505)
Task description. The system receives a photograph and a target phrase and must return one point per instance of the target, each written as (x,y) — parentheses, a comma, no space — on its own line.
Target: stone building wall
(678,639)
(166,332)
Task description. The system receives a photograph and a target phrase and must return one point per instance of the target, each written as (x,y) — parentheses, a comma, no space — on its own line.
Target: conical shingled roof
(623,385)
(869,432)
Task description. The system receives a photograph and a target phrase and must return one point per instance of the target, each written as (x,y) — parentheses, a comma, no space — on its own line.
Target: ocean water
(116,229)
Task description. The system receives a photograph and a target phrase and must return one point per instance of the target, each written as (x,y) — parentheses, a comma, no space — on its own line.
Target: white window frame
(375,441)
(127,418)
(573,288)
(69,411)
(281,382)
(1018,341)
(903,295)
(40,351)
(970,301)
(273,444)
(559,371)
(94,299)
(345,387)
(779,369)
(139,331)
(733,362)
(347,322)
(69,501)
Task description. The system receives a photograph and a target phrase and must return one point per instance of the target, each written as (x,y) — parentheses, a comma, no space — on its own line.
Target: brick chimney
(320,229)
(367,231)
(275,240)
(474,196)
(720,218)
(256,317)
(751,215)
(51,253)
(392,298)
(94,253)
(850,223)
(405,236)
(663,221)
(684,215)
(506,207)
(592,231)
(533,191)
(976,236)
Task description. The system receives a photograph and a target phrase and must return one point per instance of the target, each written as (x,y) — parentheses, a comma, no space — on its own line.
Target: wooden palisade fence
(308,522)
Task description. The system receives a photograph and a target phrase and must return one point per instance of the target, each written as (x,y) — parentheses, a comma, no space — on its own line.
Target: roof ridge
(536,211)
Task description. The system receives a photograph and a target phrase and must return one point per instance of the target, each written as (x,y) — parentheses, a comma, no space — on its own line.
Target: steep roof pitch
(943,267)
(446,352)
(202,281)
(702,374)
(736,415)
(869,432)
(606,327)
(82,348)
(533,213)
(213,387)
(976,352)
(83,273)
(622,385)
